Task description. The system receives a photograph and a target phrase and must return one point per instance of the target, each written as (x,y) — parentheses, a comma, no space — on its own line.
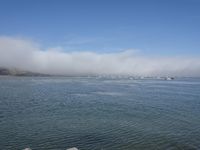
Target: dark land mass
(18,72)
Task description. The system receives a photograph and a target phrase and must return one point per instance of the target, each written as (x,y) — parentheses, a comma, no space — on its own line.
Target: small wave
(109,93)
(73,148)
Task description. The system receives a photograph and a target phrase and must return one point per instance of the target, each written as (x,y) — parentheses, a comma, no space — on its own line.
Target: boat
(169,78)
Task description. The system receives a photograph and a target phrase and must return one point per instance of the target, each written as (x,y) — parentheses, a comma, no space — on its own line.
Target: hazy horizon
(27,55)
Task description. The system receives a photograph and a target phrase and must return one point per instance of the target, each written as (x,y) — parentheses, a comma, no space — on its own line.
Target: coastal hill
(18,72)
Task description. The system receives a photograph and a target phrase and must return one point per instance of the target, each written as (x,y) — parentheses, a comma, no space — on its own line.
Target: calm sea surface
(99,114)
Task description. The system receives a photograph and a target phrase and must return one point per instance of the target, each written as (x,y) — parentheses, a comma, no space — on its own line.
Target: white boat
(169,78)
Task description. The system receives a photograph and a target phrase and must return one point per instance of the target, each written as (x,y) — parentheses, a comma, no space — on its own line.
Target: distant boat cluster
(132,77)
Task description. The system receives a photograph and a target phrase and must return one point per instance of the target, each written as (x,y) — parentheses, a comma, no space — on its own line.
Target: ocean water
(52,113)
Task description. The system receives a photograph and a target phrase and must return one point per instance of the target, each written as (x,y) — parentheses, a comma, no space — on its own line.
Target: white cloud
(27,55)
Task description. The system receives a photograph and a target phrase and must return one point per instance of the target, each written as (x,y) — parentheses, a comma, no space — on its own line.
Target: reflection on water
(95,114)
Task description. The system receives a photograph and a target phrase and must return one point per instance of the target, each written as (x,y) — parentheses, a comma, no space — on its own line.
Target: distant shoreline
(21,73)
(17,72)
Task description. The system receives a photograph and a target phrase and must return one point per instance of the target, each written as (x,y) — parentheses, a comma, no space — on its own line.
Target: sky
(141,37)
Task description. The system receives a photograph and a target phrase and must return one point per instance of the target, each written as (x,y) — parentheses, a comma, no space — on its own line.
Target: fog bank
(27,55)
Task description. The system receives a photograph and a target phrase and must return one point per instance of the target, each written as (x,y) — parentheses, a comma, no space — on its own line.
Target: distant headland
(18,72)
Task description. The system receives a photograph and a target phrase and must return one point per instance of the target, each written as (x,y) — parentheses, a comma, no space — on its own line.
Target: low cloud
(27,55)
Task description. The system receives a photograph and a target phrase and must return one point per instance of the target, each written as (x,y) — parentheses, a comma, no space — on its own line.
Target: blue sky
(156,27)
(79,37)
